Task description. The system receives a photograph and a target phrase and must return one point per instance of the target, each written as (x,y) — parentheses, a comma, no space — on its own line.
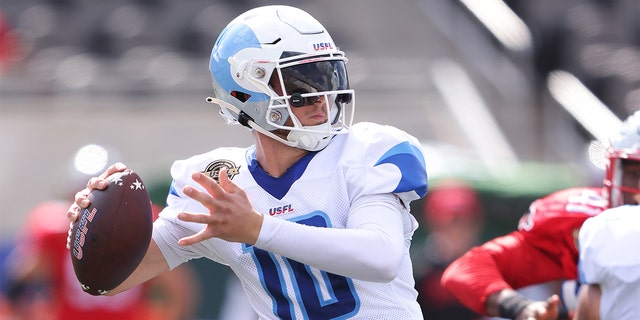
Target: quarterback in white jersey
(353,175)
(608,243)
(314,217)
(609,257)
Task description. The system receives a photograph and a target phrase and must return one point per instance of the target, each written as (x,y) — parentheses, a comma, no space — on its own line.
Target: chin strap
(311,141)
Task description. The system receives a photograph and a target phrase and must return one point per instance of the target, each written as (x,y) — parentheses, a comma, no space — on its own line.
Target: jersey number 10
(319,295)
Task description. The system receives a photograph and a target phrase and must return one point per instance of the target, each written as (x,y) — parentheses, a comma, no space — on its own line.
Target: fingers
(97,183)
(215,192)
(228,213)
(100,182)
(69,235)
(202,218)
(81,199)
(214,188)
(73,213)
(116,167)
(553,304)
(193,239)
(205,198)
(208,183)
(228,185)
(225,182)
(194,217)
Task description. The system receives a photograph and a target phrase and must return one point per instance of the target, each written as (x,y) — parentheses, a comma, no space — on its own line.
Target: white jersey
(320,190)
(609,257)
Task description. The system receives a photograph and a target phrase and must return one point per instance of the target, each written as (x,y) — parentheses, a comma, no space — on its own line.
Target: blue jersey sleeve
(394,162)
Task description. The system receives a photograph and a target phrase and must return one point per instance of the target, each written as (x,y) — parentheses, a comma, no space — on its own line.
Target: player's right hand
(541,310)
(82,197)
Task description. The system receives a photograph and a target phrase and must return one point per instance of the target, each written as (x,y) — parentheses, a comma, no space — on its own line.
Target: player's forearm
(589,303)
(510,304)
(507,303)
(373,251)
(472,278)
(151,265)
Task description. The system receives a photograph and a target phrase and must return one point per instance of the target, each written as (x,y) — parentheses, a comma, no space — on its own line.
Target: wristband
(511,306)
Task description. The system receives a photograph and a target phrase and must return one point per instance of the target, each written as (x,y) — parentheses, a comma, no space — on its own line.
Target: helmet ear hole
(243,97)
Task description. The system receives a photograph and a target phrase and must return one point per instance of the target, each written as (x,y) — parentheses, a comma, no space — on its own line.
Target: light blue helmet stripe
(233,38)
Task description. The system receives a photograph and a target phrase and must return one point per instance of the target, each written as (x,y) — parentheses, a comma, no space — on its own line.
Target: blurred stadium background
(493,89)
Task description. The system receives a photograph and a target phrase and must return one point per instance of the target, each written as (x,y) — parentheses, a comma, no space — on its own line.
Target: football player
(609,264)
(543,249)
(453,217)
(314,217)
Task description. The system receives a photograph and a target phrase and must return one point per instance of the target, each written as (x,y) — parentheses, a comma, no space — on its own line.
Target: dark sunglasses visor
(313,77)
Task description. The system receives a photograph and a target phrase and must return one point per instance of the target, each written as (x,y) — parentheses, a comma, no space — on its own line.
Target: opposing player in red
(543,249)
(453,216)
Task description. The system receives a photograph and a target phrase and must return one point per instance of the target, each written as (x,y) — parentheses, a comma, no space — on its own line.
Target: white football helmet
(289,43)
(624,149)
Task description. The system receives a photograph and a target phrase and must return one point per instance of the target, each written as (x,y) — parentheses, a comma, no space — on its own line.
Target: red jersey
(542,249)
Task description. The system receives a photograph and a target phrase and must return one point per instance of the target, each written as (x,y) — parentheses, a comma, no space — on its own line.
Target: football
(112,235)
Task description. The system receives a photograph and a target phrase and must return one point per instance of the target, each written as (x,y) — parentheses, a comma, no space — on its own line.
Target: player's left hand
(231,216)
(541,310)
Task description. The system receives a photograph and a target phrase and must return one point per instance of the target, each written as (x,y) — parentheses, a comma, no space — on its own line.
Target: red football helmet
(451,199)
(622,181)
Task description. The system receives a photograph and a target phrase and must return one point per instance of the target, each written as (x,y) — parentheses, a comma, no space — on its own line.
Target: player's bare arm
(589,303)
(151,266)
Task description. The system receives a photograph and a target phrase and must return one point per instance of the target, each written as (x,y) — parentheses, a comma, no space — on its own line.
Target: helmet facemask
(623,178)
(303,82)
